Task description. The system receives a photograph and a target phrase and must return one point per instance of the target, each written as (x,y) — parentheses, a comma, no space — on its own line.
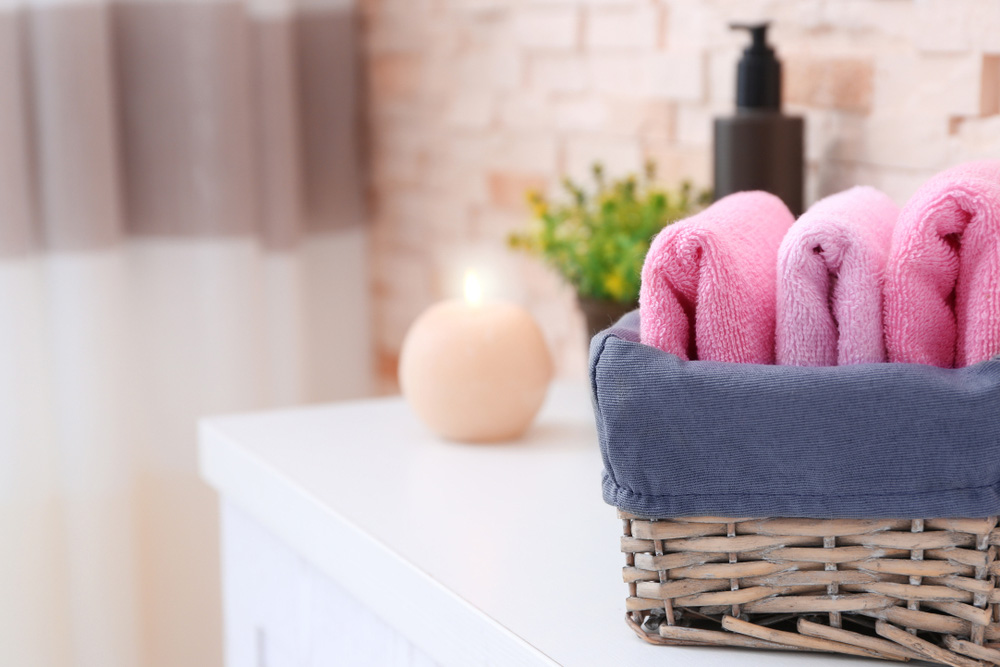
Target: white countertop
(478,554)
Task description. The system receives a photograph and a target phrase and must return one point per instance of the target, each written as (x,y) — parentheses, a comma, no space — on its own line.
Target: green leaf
(598,240)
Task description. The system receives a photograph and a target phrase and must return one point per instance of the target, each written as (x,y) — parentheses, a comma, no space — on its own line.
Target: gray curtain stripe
(279,141)
(328,70)
(186,118)
(76,144)
(176,119)
(17,214)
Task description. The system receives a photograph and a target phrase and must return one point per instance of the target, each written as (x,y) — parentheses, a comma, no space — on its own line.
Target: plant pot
(601,314)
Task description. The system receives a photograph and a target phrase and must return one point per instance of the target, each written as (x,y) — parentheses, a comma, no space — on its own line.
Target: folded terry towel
(708,281)
(942,283)
(831,265)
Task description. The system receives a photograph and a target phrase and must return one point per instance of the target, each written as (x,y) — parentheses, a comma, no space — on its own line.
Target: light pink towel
(708,281)
(831,265)
(942,284)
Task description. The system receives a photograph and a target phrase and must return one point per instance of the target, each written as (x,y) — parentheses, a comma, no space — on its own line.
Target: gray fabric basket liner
(683,438)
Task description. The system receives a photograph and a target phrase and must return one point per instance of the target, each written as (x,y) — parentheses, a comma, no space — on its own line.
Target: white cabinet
(281,611)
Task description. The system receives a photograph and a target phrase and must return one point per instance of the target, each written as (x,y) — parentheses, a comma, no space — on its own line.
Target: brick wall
(470,102)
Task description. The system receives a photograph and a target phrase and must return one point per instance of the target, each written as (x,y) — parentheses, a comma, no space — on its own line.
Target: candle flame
(473,290)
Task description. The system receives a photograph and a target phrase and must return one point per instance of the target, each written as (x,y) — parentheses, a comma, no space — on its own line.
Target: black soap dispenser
(760,148)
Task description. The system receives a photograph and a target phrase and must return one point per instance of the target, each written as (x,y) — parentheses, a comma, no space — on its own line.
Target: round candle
(475,371)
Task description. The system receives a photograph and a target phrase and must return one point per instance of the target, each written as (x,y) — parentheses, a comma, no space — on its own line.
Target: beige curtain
(181,233)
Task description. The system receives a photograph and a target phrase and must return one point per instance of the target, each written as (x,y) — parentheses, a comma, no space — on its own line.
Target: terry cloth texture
(708,281)
(684,438)
(831,266)
(942,284)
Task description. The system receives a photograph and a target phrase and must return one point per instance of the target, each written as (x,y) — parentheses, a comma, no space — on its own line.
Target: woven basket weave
(892,589)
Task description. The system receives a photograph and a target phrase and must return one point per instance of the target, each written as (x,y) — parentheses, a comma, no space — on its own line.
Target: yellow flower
(539,208)
(614,284)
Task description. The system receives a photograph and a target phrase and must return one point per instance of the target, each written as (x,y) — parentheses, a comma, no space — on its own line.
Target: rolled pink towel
(831,266)
(942,284)
(708,281)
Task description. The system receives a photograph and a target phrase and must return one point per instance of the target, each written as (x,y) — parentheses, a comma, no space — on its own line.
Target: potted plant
(598,240)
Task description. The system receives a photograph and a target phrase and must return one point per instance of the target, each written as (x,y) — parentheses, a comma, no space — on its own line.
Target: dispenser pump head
(758,75)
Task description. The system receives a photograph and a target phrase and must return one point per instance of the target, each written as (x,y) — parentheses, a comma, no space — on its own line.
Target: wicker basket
(892,589)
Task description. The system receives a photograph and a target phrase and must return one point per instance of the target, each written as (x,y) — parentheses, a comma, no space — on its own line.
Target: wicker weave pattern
(883,588)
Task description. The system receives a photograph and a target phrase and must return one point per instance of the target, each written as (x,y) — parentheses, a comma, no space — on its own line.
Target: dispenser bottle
(760,148)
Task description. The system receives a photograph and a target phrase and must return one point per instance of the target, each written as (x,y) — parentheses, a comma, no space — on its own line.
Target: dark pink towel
(708,281)
(831,266)
(942,289)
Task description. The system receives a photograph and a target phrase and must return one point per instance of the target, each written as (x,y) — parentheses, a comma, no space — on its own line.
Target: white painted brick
(811,184)
(404,273)
(447,218)
(455,180)
(582,3)
(398,229)
(694,125)
(485,69)
(802,14)
(900,184)
(394,33)
(677,76)
(547,28)
(531,151)
(475,6)
(988,28)
(527,111)
(473,110)
(915,141)
(397,314)
(619,155)
(956,25)
(700,25)
(397,153)
(630,28)
(466,150)
(827,43)
(647,118)
(722,77)
(580,114)
(493,226)
(833,135)
(559,73)
(563,326)
(977,139)
(617,74)
(830,177)
(891,18)
(686,24)
(676,163)
(943,84)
